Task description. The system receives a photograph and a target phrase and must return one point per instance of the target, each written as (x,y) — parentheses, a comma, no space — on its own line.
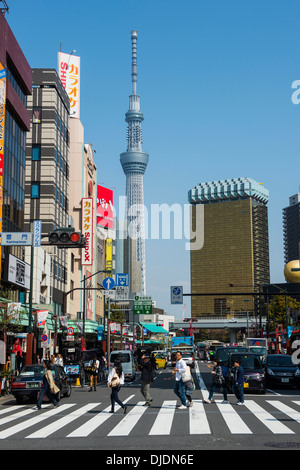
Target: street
(83,421)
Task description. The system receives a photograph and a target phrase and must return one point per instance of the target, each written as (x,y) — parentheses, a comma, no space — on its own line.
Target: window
(36,152)
(35,190)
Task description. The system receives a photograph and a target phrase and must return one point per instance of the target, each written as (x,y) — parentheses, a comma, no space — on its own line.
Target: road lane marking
(58,424)
(40,416)
(198,419)
(285,409)
(267,419)
(233,420)
(130,420)
(163,422)
(87,428)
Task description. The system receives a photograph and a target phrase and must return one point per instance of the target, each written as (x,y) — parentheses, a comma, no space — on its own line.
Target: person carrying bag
(114,381)
(189,385)
(218,381)
(49,387)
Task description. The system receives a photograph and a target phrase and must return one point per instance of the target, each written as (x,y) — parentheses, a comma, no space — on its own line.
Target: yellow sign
(109,253)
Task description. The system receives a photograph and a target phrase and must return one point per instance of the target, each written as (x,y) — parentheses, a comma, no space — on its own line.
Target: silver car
(188,357)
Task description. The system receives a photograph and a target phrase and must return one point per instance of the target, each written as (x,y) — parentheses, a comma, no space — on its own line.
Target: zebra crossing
(90,420)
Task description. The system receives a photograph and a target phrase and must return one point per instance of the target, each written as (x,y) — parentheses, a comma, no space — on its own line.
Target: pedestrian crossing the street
(91,419)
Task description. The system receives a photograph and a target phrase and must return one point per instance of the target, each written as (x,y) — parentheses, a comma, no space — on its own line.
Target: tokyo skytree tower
(134,162)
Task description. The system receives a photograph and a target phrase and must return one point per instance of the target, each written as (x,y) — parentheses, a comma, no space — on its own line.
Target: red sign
(104,207)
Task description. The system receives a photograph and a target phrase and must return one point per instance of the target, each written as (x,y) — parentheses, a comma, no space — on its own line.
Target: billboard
(104,207)
(87,218)
(68,66)
(18,272)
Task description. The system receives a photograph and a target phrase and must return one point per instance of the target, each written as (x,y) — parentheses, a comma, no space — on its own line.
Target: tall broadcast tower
(134,162)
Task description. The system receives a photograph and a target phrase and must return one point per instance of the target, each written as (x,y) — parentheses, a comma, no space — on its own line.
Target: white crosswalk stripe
(159,420)
(32,421)
(87,428)
(233,419)
(198,419)
(163,422)
(130,420)
(60,423)
(267,419)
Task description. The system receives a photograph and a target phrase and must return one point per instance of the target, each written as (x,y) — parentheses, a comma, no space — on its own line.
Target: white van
(127,361)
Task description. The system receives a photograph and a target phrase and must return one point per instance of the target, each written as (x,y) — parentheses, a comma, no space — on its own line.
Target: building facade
(47,172)
(291,229)
(16,124)
(235,253)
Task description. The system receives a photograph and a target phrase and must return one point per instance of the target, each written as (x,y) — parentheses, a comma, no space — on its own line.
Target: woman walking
(114,381)
(218,382)
(49,386)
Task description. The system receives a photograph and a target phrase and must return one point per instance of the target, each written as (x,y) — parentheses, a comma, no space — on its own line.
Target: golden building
(234,257)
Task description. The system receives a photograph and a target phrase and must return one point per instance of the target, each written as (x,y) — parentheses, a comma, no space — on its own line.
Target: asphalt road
(82,422)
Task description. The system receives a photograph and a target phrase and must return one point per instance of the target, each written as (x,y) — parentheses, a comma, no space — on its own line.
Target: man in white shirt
(179,388)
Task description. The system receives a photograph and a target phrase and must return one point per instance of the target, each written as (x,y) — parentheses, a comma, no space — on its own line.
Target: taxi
(160,361)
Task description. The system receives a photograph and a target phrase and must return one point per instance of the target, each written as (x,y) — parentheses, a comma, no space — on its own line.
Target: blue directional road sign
(122,279)
(176,295)
(108,283)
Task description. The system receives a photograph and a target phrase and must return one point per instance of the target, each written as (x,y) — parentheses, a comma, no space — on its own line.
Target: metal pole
(108,331)
(247,324)
(31,290)
(83,308)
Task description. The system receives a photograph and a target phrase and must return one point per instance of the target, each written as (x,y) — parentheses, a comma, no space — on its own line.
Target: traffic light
(67,238)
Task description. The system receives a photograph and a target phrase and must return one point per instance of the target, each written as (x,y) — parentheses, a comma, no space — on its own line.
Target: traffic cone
(77,382)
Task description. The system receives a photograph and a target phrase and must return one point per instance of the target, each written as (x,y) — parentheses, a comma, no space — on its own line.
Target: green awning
(153,328)
(149,341)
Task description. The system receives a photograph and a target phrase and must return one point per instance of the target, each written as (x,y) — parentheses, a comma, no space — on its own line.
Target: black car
(30,381)
(254,371)
(281,371)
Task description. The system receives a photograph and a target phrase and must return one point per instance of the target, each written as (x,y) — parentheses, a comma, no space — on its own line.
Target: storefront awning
(153,328)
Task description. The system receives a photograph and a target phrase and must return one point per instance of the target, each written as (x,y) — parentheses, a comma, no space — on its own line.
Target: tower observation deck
(134,163)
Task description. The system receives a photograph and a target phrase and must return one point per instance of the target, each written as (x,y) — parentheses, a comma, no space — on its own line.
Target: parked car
(281,371)
(160,361)
(128,363)
(254,371)
(30,381)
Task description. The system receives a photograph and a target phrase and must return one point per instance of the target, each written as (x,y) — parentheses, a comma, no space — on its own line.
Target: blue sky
(215,85)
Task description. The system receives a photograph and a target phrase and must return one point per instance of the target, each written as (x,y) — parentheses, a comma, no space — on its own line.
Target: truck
(184,344)
(257,345)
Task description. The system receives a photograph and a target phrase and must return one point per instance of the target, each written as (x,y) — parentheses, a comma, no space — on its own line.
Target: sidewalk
(6,398)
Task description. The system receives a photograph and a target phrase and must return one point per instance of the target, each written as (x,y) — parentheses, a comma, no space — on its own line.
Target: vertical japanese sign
(69,73)
(2,127)
(87,219)
(109,254)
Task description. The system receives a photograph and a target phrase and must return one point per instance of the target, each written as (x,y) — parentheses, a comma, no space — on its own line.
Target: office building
(291,229)
(235,254)
(15,88)
(47,172)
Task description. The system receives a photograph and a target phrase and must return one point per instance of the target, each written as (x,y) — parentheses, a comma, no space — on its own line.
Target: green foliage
(10,315)
(279,308)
